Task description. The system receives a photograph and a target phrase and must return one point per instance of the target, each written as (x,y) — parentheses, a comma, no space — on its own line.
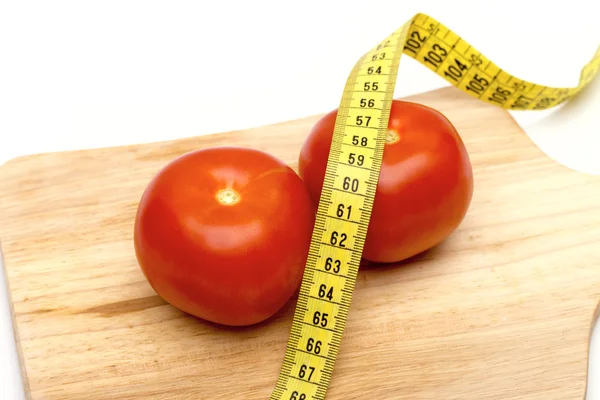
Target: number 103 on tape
(352,174)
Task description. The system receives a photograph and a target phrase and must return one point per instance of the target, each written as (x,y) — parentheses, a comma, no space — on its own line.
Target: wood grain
(501,310)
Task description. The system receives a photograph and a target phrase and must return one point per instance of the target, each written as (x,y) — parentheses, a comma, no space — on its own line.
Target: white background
(82,74)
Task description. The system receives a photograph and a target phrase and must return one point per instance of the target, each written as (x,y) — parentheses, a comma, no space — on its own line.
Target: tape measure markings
(351,177)
(341,226)
(507,86)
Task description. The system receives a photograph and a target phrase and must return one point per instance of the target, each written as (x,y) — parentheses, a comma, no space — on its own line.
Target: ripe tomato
(425,184)
(223,234)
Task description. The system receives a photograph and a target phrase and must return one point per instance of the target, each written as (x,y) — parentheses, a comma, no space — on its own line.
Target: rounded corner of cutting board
(509,297)
(13,163)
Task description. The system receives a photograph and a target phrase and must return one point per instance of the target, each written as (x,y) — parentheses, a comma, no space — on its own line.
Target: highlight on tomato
(425,185)
(223,234)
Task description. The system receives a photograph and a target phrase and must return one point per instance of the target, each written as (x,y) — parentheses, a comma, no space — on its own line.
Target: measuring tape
(360,131)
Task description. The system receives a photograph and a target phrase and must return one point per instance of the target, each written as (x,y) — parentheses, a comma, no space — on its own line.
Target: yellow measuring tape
(351,178)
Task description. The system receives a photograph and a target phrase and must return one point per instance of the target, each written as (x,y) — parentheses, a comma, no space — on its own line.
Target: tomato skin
(229,264)
(425,184)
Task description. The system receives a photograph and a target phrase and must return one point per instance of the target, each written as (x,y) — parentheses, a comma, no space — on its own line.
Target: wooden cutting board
(501,310)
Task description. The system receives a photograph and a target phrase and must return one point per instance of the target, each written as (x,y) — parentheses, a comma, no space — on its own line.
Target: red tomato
(223,234)
(425,184)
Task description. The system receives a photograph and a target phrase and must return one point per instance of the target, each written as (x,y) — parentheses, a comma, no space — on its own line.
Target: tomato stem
(391,137)
(228,197)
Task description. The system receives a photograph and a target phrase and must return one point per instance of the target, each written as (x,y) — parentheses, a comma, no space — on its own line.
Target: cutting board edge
(594,321)
(24,158)
(16,338)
